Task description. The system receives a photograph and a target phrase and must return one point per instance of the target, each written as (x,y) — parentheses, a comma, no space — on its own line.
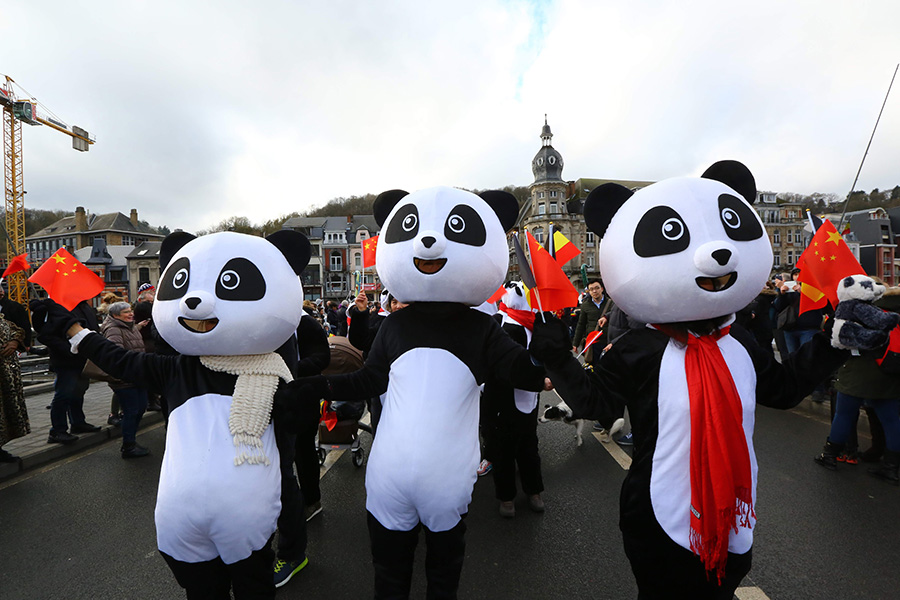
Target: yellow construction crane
(17,110)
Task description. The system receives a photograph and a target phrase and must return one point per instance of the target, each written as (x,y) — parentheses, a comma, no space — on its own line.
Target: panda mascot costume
(441,250)
(225,302)
(510,431)
(684,255)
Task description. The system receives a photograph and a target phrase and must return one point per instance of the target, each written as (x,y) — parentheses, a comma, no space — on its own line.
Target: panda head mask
(683,249)
(230,293)
(443,244)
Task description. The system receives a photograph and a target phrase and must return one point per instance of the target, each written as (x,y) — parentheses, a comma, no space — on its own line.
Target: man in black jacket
(71,384)
(593,309)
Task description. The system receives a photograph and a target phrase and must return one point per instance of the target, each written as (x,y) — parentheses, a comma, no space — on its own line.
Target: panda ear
(385,202)
(736,176)
(504,204)
(602,204)
(171,245)
(294,246)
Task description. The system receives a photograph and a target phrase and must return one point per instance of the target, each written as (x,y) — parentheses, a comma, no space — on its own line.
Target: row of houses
(125,252)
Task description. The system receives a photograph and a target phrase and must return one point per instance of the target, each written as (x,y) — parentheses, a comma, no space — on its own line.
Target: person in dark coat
(16,314)
(70,385)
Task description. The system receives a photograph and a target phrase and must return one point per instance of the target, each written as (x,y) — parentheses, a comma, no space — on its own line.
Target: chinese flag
(590,339)
(565,250)
(18,263)
(822,265)
(66,280)
(369,245)
(552,285)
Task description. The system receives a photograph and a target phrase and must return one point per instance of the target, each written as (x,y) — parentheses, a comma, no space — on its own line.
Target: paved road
(83,528)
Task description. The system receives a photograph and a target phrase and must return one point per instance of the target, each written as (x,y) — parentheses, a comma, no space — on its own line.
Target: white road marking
(615,451)
(751,593)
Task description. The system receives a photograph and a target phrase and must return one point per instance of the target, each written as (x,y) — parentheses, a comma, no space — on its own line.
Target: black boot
(133,450)
(830,452)
(889,469)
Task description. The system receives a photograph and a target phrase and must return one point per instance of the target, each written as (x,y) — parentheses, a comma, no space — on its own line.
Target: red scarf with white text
(721,480)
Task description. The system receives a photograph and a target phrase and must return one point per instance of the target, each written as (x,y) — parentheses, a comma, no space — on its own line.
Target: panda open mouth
(717,284)
(198,325)
(429,267)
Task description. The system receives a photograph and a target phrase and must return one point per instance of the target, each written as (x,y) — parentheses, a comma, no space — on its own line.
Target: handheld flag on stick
(369,247)
(552,285)
(565,250)
(66,280)
(590,339)
(18,263)
(526,273)
(822,265)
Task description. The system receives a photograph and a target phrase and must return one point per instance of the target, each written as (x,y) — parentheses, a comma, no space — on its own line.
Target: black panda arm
(509,361)
(360,331)
(371,380)
(141,368)
(312,342)
(785,385)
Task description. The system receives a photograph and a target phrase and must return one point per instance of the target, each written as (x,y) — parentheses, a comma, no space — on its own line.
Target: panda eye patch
(738,218)
(464,226)
(661,231)
(240,280)
(404,226)
(174,283)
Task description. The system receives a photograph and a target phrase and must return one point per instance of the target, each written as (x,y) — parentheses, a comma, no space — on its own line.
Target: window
(553,194)
(589,239)
(553,207)
(143,275)
(885,235)
(776,237)
(127,240)
(790,257)
(538,233)
(542,208)
(357,261)
(336,263)
(790,236)
(777,261)
(540,194)
(590,261)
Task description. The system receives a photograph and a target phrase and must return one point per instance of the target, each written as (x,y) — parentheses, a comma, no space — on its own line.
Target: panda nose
(192,302)
(428,241)
(722,256)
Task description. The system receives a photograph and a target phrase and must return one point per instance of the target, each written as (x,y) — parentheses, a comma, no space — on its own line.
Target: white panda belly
(207,506)
(670,480)
(424,459)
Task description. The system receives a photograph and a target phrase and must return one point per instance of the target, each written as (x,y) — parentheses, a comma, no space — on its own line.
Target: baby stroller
(343,435)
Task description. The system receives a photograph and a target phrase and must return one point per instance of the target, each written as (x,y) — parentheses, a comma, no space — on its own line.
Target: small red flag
(497,295)
(370,246)
(552,285)
(66,280)
(824,263)
(565,249)
(18,263)
(591,338)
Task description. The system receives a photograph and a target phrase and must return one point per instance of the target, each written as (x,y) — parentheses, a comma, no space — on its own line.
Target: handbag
(92,371)
(787,318)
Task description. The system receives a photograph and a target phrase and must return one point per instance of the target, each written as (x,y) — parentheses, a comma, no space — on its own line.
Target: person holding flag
(593,310)
(71,284)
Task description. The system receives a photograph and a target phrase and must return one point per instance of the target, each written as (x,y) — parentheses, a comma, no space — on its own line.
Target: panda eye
(456,223)
(403,226)
(229,279)
(464,226)
(180,279)
(661,231)
(673,229)
(740,221)
(240,280)
(175,280)
(730,218)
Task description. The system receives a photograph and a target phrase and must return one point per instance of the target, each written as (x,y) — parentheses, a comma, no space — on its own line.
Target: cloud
(205,109)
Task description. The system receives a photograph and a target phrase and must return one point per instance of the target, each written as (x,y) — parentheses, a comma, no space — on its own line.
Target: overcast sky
(207,109)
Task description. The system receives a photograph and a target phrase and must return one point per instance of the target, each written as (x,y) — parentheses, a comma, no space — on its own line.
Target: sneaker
(484,468)
(626,440)
(114,420)
(84,428)
(61,438)
(850,458)
(134,451)
(599,427)
(285,569)
(313,509)
(536,503)
(6,457)
(507,509)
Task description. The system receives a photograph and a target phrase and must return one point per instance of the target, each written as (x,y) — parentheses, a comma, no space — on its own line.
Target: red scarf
(525,318)
(721,482)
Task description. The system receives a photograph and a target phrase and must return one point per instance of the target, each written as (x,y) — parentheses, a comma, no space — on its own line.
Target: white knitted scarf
(251,404)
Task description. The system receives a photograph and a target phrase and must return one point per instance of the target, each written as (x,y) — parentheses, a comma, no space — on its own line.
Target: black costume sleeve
(360,332)
(312,341)
(141,368)
(368,382)
(785,385)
